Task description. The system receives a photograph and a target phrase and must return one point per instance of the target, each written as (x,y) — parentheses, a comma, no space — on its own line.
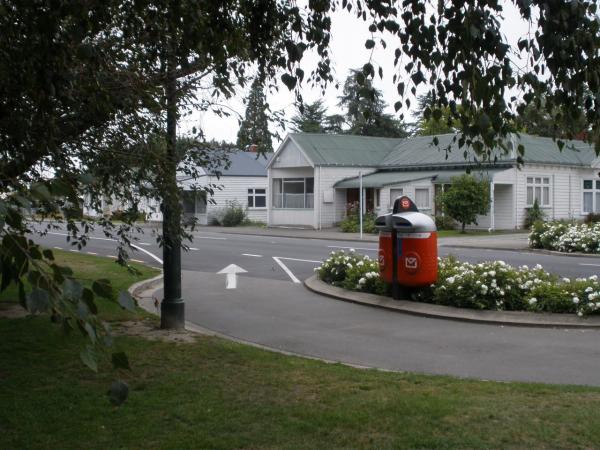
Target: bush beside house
(484,286)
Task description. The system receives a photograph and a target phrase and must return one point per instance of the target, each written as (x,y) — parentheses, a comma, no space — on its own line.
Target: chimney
(252,148)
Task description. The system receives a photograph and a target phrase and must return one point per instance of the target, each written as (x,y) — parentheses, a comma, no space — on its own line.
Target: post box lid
(384,222)
(413,222)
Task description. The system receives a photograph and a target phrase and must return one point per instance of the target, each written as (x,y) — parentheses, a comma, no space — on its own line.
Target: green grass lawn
(218,394)
(89,268)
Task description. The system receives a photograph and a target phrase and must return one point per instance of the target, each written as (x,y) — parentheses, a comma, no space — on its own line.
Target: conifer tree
(254,129)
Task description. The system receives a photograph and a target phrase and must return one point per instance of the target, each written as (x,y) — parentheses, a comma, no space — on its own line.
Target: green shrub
(125,216)
(231,216)
(533,215)
(592,218)
(351,223)
(566,236)
(445,223)
(490,285)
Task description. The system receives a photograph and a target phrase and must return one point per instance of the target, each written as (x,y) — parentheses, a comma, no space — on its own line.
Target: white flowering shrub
(352,271)
(566,237)
(492,285)
(497,286)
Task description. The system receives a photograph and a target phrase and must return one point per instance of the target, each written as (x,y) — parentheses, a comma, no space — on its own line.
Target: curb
(511,318)
(557,253)
(141,286)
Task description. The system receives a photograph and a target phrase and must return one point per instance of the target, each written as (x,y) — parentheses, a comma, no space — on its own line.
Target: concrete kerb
(508,318)
(572,254)
(136,289)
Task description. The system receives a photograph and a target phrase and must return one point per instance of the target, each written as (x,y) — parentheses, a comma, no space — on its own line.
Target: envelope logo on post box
(411,262)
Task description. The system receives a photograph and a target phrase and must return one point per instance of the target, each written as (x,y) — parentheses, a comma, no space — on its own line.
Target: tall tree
(364,109)
(310,118)
(432,119)
(552,121)
(254,129)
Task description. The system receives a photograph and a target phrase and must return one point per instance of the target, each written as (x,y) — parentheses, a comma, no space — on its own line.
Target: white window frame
(428,205)
(534,182)
(253,194)
(595,191)
(308,197)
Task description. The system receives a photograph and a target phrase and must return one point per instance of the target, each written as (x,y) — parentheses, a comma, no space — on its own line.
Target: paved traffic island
(513,318)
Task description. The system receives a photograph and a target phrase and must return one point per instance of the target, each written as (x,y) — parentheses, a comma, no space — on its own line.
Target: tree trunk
(462,229)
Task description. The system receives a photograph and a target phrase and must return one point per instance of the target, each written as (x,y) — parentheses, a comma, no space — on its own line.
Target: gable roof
(246,164)
(344,149)
(419,151)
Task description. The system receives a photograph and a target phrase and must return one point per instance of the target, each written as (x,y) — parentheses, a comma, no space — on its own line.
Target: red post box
(417,249)
(386,254)
(407,248)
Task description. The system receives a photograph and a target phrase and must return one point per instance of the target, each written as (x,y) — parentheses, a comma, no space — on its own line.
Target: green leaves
(289,81)
(88,357)
(126,301)
(118,392)
(37,301)
(102,288)
(120,361)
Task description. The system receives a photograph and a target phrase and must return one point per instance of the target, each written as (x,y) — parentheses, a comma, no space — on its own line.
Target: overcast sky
(347,52)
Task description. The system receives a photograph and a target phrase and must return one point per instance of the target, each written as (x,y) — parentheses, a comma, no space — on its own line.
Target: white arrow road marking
(286,270)
(231,271)
(250,254)
(302,260)
(586,264)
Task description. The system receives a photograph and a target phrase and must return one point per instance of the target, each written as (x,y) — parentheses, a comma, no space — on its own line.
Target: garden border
(512,318)
(556,252)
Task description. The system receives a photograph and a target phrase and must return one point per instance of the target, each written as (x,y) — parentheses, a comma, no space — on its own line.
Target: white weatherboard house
(244,181)
(313,177)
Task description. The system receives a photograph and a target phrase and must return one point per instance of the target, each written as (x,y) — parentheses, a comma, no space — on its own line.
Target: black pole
(172,307)
(396,291)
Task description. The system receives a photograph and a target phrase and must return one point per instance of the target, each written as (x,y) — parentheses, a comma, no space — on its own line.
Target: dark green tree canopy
(310,118)
(254,129)
(364,107)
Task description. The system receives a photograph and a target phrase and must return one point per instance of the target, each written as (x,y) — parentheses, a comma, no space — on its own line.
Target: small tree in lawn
(465,199)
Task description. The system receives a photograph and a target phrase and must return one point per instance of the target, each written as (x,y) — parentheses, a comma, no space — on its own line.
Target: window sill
(259,208)
(293,209)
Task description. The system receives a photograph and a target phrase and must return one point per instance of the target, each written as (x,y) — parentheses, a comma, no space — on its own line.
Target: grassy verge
(89,268)
(218,394)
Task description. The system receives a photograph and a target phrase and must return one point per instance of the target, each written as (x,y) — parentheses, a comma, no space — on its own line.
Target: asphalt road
(286,259)
(271,308)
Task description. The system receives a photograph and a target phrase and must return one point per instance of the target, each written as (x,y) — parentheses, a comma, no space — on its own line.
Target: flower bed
(566,237)
(489,285)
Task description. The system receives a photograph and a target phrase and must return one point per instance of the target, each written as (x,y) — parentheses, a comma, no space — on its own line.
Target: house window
(257,198)
(394,194)
(591,196)
(422,198)
(377,197)
(293,193)
(538,188)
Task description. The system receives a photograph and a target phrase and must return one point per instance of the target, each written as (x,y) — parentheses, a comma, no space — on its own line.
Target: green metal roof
(419,151)
(380,179)
(388,178)
(344,149)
